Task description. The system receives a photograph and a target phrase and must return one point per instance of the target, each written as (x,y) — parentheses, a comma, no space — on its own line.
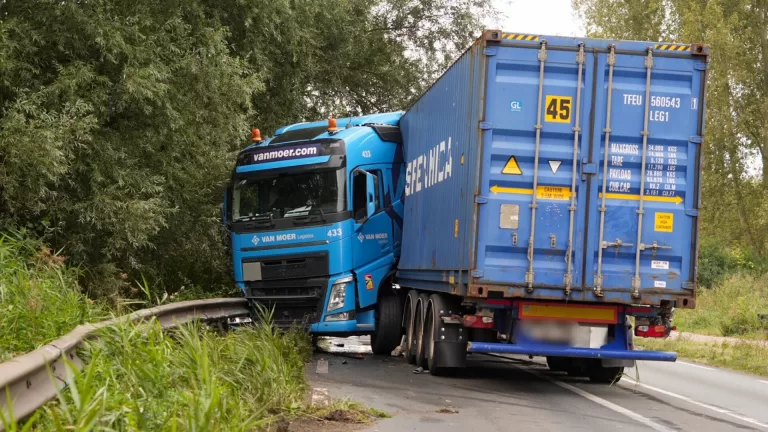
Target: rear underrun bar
(502,348)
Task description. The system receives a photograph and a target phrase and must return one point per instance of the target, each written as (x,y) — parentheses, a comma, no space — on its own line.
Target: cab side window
(359,194)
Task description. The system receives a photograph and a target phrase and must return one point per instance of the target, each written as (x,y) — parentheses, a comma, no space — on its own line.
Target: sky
(543,17)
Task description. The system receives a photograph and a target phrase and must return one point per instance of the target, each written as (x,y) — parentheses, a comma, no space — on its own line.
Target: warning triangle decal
(512,167)
(555,165)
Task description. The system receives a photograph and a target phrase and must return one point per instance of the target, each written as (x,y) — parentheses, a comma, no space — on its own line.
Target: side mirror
(370,186)
(225,207)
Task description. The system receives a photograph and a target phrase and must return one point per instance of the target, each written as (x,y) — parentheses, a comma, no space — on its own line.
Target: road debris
(449,410)
(400,349)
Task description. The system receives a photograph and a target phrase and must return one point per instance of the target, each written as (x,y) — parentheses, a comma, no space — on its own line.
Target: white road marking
(694,365)
(764,382)
(322,366)
(610,405)
(703,405)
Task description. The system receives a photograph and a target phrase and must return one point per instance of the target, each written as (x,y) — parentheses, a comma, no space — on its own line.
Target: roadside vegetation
(742,356)
(40,299)
(139,378)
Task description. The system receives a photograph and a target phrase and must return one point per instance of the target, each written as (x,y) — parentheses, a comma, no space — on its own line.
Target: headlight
(338,293)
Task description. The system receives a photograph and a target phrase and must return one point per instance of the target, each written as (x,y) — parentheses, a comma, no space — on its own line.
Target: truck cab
(315,219)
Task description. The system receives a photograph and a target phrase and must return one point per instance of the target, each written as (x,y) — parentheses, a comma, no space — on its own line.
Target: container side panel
(440,149)
(508,167)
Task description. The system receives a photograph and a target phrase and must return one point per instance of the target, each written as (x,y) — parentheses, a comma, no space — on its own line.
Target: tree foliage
(736,141)
(119,119)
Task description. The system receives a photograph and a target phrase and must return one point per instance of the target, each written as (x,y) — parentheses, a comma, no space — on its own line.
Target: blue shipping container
(557,168)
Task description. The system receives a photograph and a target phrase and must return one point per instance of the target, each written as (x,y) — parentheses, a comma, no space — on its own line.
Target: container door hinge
(695,139)
(486,125)
(700,66)
(477,273)
(481,199)
(490,51)
(692,212)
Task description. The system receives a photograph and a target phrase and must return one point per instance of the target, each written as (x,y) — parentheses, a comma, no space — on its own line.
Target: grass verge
(744,357)
(139,378)
(730,309)
(40,299)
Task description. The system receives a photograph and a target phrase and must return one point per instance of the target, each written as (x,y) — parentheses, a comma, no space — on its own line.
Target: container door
(533,195)
(643,243)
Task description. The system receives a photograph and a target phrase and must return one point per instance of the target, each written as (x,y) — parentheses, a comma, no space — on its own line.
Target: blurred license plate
(550,331)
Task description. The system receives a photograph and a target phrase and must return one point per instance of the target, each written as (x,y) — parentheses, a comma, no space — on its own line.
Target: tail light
(651,331)
(478,321)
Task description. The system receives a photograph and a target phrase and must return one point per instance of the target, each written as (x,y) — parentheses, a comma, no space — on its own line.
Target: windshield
(289,195)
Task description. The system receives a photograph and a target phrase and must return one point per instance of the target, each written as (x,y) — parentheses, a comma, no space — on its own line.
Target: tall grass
(139,378)
(728,309)
(40,299)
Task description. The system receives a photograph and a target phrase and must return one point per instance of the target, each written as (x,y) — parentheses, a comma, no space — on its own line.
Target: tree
(736,143)
(120,119)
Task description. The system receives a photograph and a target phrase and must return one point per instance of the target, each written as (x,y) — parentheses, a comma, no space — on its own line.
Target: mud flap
(451,347)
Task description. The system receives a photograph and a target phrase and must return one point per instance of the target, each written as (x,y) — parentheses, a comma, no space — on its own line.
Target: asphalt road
(514,393)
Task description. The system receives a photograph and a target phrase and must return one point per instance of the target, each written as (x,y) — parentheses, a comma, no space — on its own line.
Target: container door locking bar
(607,130)
(534,205)
(640,212)
(568,278)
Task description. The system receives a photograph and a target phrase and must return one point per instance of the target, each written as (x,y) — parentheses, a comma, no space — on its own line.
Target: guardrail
(32,379)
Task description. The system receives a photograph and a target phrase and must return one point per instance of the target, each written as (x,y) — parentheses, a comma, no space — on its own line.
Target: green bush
(40,299)
(729,309)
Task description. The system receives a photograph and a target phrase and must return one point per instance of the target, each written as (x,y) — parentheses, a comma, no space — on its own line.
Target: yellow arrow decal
(499,189)
(674,199)
(556,193)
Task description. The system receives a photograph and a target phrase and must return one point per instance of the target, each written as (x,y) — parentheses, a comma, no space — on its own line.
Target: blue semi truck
(549,190)
(315,217)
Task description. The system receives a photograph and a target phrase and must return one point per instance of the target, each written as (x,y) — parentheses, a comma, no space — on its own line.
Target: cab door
(372,252)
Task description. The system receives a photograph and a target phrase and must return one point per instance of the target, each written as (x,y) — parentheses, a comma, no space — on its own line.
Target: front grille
(293,266)
(293,300)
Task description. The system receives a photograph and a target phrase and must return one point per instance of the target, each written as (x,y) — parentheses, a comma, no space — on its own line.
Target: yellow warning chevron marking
(517,36)
(672,47)
(674,199)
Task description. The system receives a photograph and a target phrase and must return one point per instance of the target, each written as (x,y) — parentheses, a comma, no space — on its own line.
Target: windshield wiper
(264,220)
(312,216)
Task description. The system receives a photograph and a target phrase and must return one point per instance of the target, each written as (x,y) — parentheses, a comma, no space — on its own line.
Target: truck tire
(604,375)
(386,337)
(446,348)
(409,315)
(558,364)
(418,320)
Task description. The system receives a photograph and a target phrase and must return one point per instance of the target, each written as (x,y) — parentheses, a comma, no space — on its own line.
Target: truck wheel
(409,324)
(558,364)
(418,321)
(386,337)
(446,343)
(604,375)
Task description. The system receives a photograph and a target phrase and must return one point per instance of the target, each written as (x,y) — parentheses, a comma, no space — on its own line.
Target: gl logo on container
(516,106)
